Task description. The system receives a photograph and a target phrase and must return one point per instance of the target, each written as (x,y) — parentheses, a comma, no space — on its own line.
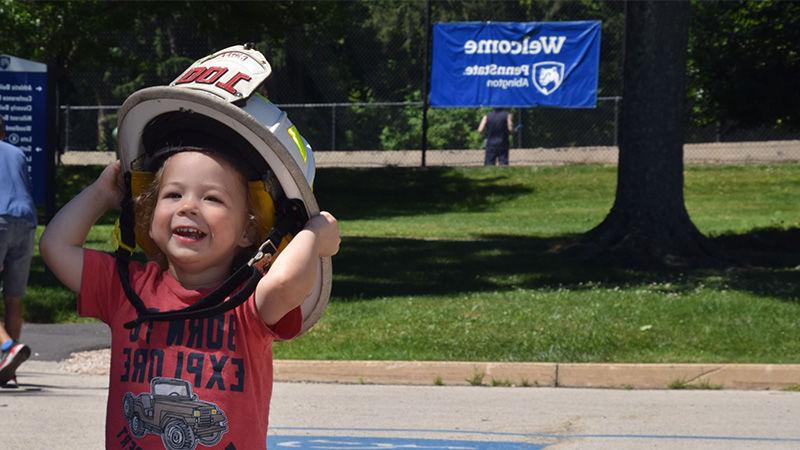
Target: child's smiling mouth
(188,233)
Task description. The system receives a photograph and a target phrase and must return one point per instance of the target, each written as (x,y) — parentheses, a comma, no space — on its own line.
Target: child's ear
(248,237)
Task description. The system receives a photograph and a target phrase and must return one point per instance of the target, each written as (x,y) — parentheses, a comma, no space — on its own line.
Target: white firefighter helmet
(214,104)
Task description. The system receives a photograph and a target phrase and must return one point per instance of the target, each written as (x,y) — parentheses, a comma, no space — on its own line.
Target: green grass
(476,379)
(682,384)
(458,264)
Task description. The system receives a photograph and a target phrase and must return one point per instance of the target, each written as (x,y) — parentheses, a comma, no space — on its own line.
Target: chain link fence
(354,91)
(371,126)
(344,136)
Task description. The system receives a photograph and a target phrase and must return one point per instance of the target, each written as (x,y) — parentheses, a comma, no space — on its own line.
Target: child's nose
(188,206)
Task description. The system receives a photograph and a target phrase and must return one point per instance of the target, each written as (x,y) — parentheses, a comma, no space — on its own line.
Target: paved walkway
(56,342)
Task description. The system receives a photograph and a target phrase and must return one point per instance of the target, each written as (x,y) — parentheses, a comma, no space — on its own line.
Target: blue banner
(23,104)
(510,64)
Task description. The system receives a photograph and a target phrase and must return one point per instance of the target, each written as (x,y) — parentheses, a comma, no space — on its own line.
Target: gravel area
(95,362)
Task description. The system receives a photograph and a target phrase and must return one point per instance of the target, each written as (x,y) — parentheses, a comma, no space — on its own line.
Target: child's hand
(294,272)
(110,185)
(327,230)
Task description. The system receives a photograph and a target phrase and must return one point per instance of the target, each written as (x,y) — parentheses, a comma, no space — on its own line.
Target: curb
(618,376)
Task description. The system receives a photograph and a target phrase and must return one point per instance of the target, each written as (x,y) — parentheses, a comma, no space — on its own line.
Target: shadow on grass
(773,256)
(369,268)
(376,193)
(381,267)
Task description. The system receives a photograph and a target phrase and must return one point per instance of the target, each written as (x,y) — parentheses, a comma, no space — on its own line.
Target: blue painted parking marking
(381,443)
(544,439)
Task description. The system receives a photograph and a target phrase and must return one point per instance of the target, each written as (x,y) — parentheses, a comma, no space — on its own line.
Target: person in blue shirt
(496,127)
(17,235)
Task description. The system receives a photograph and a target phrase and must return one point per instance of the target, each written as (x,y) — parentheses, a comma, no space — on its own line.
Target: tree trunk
(648,226)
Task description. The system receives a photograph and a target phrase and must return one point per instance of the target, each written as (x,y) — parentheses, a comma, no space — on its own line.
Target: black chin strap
(292,217)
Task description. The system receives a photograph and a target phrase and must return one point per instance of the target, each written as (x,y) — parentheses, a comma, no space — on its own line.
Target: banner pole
(425,80)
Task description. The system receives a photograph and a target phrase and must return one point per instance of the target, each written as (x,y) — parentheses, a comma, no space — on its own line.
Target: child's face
(200,218)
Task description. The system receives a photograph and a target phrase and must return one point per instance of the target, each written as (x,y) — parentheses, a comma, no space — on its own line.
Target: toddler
(187,382)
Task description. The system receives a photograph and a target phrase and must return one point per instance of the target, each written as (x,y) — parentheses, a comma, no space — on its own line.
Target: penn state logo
(5,61)
(547,76)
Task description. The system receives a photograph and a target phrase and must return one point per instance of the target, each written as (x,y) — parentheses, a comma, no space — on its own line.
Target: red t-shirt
(197,382)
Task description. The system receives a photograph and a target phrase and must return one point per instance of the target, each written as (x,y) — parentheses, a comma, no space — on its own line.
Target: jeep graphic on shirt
(171,410)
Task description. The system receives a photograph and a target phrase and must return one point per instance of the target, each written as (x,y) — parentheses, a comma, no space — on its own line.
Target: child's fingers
(110,172)
(328,233)
(328,216)
(120,180)
(111,182)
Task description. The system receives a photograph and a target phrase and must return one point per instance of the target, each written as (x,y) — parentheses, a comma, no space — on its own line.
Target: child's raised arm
(61,244)
(292,275)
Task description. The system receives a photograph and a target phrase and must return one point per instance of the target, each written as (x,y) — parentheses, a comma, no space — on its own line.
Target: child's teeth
(189,232)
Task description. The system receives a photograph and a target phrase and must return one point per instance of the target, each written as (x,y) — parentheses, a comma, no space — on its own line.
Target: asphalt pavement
(55,342)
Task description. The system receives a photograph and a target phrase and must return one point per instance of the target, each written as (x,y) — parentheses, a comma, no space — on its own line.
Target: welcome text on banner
(515,64)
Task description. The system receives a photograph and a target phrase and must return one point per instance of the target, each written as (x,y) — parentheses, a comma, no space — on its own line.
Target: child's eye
(214,199)
(171,195)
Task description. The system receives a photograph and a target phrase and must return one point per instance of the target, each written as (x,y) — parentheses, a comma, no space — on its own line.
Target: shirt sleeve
(289,326)
(100,287)
(286,328)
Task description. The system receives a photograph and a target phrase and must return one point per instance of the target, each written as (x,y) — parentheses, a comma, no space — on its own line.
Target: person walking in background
(495,127)
(17,235)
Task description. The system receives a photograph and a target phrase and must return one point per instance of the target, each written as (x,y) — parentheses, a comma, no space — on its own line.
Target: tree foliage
(744,61)
(743,57)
